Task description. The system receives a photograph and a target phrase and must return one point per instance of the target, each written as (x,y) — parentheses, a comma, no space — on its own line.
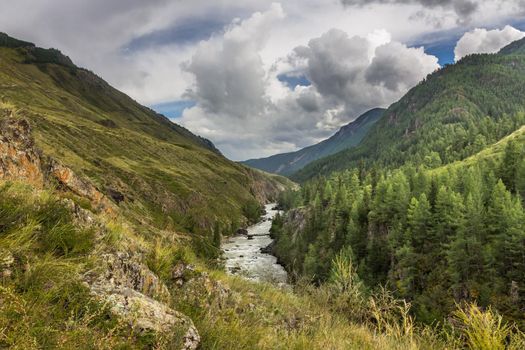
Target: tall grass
(486,330)
(43,302)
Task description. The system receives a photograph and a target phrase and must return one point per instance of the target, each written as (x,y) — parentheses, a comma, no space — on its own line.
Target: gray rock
(137,295)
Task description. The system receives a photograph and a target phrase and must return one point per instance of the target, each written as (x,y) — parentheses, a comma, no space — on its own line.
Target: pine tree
(520,179)
(419,221)
(448,215)
(508,170)
(465,253)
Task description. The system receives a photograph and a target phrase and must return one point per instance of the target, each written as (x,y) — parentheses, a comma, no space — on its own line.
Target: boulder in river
(268,249)
(242,231)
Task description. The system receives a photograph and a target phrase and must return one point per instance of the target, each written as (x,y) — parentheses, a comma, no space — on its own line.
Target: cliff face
(19,159)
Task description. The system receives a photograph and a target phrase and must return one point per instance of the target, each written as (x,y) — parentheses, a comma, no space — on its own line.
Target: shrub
(486,330)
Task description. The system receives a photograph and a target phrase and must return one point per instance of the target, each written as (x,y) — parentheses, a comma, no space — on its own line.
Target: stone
(136,295)
(6,264)
(125,269)
(81,187)
(147,314)
(19,159)
(242,231)
(116,195)
(182,273)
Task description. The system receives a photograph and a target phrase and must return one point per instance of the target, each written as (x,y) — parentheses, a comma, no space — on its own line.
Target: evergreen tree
(419,220)
(508,170)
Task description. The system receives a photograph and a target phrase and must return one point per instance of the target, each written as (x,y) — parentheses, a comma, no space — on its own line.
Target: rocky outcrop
(201,290)
(265,187)
(122,269)
(79,186)
(148,315)
(19,158)
(136,295)
(296,219)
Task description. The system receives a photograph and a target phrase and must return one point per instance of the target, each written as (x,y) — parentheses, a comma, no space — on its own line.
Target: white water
(243,256)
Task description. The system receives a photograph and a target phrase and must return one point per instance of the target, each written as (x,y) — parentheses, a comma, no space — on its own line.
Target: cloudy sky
(259,77)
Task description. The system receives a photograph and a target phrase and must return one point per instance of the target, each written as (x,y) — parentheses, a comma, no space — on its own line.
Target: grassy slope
(167,174)
(443,114)
(491,154)
(348,136)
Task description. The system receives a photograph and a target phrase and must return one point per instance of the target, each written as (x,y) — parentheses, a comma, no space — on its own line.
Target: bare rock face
(296,218)
(201,289)
(18,157)
(21,160)
(147,314)
(136,294)
(67,178)
(122,269)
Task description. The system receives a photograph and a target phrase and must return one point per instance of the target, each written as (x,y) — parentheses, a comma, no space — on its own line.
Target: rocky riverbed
(244,256)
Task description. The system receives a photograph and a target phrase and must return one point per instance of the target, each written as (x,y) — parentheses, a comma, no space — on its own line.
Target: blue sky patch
(440,44)
(173,109)
(293,80)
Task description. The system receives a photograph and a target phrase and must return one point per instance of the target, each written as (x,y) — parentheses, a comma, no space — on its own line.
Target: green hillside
(157,171)
(348,136)
(451,115)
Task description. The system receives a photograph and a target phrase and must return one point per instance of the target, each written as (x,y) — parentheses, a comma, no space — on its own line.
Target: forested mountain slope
(347,137)
(451,115)
(431,205)
(435,237)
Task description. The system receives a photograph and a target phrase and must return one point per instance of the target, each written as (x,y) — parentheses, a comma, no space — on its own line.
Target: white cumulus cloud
(248,112)
(481,40)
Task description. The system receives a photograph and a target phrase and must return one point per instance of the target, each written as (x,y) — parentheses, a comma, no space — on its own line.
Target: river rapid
(243,256)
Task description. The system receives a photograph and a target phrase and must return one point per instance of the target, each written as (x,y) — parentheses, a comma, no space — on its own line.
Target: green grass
(491,154)
(260,316)
(44,304)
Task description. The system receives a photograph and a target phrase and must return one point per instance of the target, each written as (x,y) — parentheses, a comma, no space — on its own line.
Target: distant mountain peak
(346,137)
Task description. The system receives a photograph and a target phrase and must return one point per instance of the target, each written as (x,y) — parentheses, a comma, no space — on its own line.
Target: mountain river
(243,256)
